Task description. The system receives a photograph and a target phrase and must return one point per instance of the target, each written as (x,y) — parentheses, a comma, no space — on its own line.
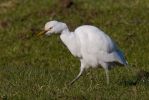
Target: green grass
(33,68)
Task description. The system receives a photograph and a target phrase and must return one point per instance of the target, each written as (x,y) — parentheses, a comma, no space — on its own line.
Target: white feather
(91,45)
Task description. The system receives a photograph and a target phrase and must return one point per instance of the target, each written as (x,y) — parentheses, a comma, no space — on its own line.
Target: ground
(40,68)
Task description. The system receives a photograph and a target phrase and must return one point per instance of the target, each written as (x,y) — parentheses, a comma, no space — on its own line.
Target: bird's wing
(94,39)
(96,45)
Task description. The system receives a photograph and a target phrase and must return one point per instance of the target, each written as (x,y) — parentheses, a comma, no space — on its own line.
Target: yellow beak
(41,33)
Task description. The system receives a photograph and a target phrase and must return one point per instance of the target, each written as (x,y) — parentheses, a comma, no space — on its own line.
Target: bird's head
(53,27)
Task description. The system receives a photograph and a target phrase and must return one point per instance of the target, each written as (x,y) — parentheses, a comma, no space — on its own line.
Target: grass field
(39,68)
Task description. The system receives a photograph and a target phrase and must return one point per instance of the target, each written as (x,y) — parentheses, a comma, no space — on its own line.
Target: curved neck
(66,36)
(65,31)
(70,40)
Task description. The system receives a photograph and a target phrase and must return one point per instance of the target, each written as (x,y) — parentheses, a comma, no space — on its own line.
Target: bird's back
(93,37)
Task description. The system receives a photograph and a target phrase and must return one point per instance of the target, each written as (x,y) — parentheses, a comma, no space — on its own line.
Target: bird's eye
(50,28)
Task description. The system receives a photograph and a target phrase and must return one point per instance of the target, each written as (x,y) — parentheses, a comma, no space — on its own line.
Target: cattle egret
(91,45)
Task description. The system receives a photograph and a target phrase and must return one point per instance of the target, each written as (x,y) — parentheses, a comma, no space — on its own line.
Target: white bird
(91,45)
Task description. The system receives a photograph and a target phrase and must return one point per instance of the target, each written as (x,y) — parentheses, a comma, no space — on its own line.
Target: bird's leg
(107,75)
(78,76)
(80,73)
(105,66)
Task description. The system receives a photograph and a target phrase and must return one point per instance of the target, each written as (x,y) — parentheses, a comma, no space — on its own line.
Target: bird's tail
(119,56)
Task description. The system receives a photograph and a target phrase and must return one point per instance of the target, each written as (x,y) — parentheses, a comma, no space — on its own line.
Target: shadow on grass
(142,77)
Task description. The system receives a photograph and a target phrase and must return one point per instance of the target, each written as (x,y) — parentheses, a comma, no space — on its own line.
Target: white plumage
(91,45)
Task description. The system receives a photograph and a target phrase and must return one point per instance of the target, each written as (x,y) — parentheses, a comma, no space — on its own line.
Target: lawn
(40,68)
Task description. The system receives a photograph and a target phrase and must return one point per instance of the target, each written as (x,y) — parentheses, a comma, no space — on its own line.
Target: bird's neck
(65,32)
(69,39)
(65,36)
